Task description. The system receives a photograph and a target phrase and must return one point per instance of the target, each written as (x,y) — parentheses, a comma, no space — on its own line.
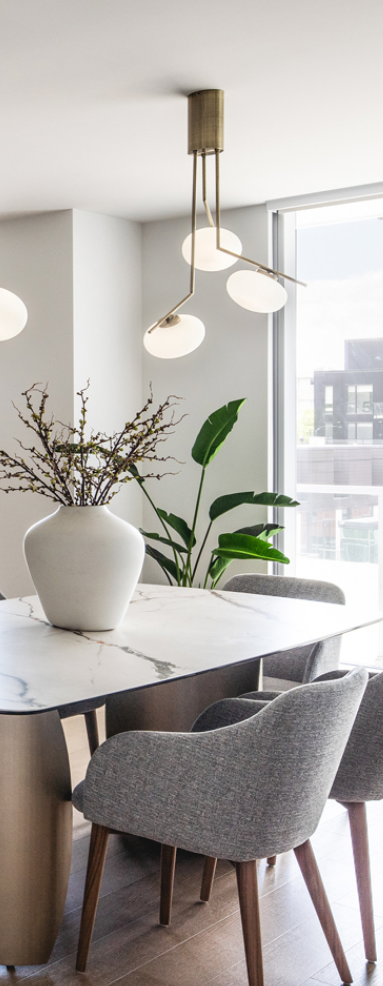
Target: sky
(340,250)
(343,266)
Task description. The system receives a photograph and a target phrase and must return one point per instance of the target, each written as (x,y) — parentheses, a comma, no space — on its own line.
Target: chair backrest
(242,792)
(294,664)
(297,748)
(360,774)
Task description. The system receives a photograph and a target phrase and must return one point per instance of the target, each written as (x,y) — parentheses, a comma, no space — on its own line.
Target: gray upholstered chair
(193,790)
(87,709)
(296,665)
(359,779)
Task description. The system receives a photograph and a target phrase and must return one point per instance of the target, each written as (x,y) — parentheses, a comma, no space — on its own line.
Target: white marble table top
(166,633)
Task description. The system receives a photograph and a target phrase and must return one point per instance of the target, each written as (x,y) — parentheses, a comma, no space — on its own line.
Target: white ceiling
(93,111)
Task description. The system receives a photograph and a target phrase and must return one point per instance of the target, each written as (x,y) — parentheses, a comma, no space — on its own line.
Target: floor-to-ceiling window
(339,408)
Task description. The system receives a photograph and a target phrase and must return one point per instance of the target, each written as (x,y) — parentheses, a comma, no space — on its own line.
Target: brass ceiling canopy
(205,121)
(212,248)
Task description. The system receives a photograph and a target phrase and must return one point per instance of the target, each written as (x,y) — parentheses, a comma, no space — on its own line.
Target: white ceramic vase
(85,563)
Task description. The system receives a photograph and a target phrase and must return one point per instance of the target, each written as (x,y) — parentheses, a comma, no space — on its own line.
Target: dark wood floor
(204,947)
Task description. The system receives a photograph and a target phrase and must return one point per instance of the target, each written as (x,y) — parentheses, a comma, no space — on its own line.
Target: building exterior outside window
(339,387)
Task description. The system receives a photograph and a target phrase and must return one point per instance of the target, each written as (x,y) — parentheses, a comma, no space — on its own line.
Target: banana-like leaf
(217,567)
(230,500)
(246,546)
(171,544)
(167,564)
(214,431)
(179,525)
(275,500)
(262,531)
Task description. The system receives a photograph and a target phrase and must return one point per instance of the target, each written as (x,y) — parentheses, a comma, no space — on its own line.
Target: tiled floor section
(203,946)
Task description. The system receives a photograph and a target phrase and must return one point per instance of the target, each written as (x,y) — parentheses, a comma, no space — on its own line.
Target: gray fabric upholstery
(296,664)
(227,711)
(242,792)
(360,774)
(78,796)
(255,696)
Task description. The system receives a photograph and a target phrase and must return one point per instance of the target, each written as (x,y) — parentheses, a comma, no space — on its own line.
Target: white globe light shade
(177,336)
(13,314)
(207,257)
(256,291)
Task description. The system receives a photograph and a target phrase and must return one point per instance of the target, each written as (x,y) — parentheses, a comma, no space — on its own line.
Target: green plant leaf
(134,472)
(246,546)
(167,564)
(171,544)
(275,500)
(217,567)
(230,500)
(214,431)
(179,525)
(262,531)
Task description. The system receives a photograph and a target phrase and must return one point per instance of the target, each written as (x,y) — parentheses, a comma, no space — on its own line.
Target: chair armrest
(226,712)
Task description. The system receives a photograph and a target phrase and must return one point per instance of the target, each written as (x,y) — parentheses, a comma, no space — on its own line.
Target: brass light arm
(204,193)
(246,260)
(171,316)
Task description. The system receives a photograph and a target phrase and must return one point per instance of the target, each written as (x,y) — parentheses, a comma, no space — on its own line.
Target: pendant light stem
(204,193)
(172,311)
(246,260)
(194,223)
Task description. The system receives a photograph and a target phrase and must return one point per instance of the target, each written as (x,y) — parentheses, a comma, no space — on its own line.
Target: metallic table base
(172,706)
(35,835)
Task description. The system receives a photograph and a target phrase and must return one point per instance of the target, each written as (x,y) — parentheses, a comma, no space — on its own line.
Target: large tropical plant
(182,565)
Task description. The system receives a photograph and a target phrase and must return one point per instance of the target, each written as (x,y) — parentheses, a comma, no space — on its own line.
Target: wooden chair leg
(271,860)
(97,851)
(92,730)
(247,883)
(168,864)
(209,868)
(313,880)
(359,836)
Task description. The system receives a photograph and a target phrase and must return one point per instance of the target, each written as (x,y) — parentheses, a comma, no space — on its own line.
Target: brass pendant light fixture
(212,248)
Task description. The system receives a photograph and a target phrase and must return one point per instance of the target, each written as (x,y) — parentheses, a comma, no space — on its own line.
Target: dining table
(176,651)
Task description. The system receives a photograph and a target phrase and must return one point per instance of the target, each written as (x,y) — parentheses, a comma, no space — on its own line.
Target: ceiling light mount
(205,121)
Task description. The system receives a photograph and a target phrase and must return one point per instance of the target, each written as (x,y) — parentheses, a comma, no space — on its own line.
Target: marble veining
(166,633)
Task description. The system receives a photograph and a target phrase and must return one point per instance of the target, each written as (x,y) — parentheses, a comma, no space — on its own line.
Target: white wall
(107,337)
(80,277)
(35,263)
(231,363)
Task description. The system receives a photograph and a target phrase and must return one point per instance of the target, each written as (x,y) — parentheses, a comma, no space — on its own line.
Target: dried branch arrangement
(75,470)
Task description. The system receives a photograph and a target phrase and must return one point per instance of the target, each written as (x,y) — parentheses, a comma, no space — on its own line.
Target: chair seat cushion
(78,796)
